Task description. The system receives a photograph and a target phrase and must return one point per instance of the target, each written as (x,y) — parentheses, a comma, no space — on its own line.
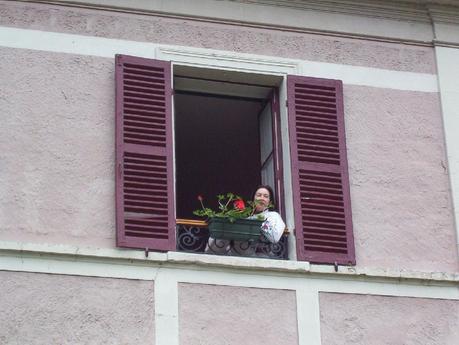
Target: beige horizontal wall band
(180,259)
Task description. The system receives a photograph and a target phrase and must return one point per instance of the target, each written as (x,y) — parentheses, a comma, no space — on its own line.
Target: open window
(227,138)
(224,135)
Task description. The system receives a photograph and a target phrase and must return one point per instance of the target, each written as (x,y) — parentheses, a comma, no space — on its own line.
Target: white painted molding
(308,316)
(446,34)
(227,60)
(238,262)
(166,308)
(355,75)
(305,284)
(105,47)
(448,75)
(73,44)
(445,21)
(364,76)
(32,251)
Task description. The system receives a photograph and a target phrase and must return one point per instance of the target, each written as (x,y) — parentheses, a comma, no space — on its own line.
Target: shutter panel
(319,171)
(144,178)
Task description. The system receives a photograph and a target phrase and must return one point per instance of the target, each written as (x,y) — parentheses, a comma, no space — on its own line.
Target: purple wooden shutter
(144,179)
(319,171)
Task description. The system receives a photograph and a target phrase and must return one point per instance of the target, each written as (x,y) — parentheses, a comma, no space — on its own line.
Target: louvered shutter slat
(319,171)
(145,213)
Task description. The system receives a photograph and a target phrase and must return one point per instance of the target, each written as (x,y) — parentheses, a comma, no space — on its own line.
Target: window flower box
(237,230)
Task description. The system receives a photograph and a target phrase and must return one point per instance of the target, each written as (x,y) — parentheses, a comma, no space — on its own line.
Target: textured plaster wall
(57,180)
(377,320)
(57,140)
(227,315)
(400,196)
(57,309)
(217,36)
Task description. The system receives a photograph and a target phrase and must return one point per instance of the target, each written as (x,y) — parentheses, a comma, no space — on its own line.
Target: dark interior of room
(217,149)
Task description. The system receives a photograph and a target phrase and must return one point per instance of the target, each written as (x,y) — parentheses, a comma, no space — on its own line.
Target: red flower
(200,198)
(239,204)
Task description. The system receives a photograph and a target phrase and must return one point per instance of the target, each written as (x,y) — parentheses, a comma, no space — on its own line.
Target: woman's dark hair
(271,194)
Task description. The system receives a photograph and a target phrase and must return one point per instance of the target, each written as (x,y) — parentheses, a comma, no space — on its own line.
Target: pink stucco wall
(401,204)
(57,135)
(58,309)
(228,315)
(57,139)
(57,181)
(378,320)
(218,36)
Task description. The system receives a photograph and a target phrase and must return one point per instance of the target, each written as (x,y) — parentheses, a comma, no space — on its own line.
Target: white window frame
(246,63)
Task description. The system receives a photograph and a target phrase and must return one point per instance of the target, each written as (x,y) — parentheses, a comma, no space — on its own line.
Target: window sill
(91,254)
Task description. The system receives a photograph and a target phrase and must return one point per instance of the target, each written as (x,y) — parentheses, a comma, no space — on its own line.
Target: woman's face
(263,199)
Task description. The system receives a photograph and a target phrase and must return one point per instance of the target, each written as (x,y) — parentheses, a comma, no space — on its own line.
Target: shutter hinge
(336,266)
(147,250)
(286,103)
(172,92)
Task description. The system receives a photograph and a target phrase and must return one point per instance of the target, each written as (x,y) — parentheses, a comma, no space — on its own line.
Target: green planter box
(239,230)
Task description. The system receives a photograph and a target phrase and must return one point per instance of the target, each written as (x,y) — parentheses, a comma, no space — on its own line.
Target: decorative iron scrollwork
(195,239)
(191,238)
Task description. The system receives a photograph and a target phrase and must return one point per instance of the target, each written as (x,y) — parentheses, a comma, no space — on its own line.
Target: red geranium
(239,204)
(230,206)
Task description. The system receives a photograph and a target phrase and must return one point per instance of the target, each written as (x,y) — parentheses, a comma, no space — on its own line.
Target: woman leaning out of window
(272,227)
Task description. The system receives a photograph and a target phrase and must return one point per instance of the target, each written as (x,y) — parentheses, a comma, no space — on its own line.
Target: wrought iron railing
(193,236)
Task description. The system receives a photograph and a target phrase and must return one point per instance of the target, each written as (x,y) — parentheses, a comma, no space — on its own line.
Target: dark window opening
(223,137)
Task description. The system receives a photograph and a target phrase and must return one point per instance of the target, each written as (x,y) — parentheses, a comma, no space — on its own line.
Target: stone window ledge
(229,262)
